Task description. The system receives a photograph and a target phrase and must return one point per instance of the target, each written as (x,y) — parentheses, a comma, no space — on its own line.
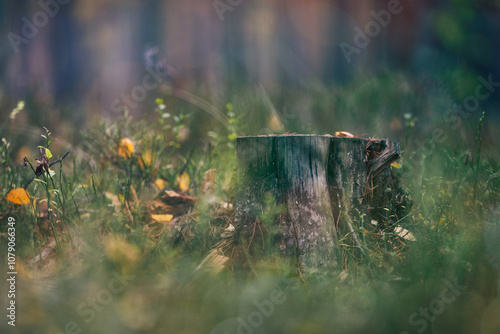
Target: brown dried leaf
(114,200)
(172,198)
(209,181)
(213,261)
(158,207)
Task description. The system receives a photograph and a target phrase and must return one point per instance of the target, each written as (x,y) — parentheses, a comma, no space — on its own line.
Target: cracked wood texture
(316,180)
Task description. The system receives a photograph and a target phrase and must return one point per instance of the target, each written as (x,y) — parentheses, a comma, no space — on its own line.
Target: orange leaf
(344,134)
(18,196)
(126,148)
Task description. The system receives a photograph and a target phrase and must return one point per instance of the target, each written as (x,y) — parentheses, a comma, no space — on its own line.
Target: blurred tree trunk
(320,183)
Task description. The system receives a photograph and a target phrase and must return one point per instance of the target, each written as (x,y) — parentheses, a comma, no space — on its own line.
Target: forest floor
(130,232)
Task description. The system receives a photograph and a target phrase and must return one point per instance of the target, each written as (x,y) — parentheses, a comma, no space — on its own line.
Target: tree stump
(322,182)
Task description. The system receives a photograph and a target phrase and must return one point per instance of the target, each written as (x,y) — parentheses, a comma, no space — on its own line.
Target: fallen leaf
(126,148)
(114,200)
(171,197)
(158,207)
(160,184)
(344,134)
(18,196)
(209,180)
(183,181)
(162,218)
(213,261)
(230,228)
(404,233)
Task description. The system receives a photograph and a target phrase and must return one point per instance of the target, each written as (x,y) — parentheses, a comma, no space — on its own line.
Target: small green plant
(56,201)
(97,208)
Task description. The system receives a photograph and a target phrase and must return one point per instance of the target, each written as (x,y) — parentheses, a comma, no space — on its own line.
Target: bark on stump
(321,181)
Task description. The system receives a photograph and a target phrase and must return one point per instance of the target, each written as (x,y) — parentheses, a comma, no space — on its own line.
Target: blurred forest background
(91,52)
(423,79)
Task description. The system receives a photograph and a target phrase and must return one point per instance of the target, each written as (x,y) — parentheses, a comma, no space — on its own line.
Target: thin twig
(356,239)
(253,234)
(262,235)
(50,165)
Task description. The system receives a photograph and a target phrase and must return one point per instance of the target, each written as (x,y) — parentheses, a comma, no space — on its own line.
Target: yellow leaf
(18,196)
(396,165)
(160,184)
(126,148)
(162,218)
(183,181)
(146,158)
(344,134)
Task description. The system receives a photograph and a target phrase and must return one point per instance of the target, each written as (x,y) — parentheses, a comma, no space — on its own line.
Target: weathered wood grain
(317,179)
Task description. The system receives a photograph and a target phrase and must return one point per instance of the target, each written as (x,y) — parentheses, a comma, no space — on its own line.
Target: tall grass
(97,216)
